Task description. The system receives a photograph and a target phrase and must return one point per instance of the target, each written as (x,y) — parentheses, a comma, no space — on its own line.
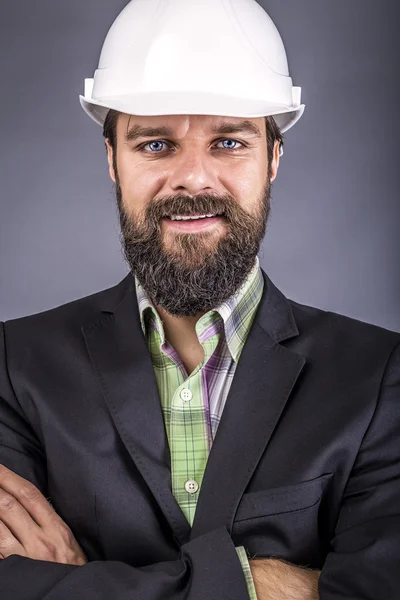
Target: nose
(193,172)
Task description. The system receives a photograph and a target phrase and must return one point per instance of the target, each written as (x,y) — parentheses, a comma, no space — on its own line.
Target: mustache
(189,207)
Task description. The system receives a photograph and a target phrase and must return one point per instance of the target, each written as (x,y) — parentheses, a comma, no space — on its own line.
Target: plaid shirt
(192,404)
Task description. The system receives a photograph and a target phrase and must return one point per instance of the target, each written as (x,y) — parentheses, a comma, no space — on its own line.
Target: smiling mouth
(193,224)
(194,217)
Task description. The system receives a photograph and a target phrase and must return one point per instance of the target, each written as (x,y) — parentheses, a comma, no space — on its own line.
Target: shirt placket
(189,430)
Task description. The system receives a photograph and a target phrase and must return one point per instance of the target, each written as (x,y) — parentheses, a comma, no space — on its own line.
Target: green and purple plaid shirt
(192,404)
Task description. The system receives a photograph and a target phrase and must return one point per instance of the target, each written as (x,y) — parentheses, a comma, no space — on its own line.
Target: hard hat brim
(201,104)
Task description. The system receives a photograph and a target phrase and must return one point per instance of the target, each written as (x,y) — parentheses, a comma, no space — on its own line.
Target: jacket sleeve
(207,567)
(365,557)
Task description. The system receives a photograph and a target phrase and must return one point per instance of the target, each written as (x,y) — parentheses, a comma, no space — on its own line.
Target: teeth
(177,218)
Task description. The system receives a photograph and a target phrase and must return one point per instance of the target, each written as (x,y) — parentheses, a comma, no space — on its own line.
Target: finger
(17,519)
(29,496)
(8,543)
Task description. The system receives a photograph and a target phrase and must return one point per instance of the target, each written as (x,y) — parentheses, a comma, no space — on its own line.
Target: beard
(191,273)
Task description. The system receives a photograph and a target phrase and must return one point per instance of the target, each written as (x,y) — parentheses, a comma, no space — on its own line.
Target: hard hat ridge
(211,57)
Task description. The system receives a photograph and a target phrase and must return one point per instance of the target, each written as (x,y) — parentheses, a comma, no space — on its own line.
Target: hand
(278,580)
(30,527)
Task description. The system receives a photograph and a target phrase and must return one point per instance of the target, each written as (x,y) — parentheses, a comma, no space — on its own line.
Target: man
(198,434)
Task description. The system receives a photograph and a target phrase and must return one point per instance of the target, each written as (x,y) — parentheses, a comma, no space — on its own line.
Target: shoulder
(326,334)
(332,321)
(68,317)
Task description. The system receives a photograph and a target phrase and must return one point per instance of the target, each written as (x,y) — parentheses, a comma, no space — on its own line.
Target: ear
(275,161)
(110,156)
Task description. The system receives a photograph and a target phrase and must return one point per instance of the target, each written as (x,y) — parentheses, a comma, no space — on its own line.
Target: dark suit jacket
(305,464)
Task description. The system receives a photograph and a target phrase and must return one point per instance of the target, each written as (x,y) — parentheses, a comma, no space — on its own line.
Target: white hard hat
(205,57)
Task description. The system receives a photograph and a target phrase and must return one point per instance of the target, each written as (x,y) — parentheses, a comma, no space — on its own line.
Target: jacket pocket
(285,522)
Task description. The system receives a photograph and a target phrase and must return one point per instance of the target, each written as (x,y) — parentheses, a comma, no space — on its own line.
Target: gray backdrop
(333,237)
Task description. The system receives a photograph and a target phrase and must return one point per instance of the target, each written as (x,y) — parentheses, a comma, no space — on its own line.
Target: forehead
(133,127)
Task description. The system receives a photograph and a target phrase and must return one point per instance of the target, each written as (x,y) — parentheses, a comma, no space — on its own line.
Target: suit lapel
(122,362)
(265,375)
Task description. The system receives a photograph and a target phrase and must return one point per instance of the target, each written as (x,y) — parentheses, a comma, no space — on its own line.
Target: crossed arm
(363,561)
(30,528)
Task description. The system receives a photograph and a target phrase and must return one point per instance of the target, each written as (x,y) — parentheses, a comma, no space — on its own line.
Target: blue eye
(229,140)
(143,148)
(153,143)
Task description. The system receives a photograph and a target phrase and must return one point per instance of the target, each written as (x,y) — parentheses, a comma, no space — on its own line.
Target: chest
(191,355)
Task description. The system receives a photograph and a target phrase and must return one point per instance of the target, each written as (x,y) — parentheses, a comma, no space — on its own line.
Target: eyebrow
(137,131)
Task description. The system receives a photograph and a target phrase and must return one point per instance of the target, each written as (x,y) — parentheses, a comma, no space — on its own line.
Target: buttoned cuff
(247,572)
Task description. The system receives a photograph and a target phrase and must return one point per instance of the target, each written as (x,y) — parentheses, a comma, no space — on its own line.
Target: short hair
(273,132)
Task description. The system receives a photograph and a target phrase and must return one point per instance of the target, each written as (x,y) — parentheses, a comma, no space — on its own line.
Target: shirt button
(186,395)
(191,486)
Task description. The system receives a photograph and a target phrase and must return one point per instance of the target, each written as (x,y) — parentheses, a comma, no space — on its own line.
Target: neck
(180,333)
(179,329)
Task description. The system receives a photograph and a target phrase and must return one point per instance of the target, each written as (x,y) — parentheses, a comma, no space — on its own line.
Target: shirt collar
(236,314)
